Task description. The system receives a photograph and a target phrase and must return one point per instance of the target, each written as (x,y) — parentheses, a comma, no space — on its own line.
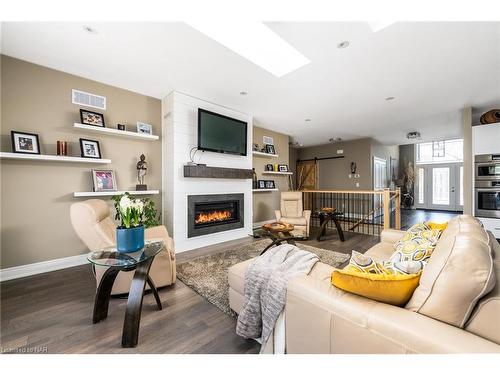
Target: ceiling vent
(88,100)
(413,135)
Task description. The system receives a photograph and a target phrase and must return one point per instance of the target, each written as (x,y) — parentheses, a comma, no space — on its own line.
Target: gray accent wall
(333,174)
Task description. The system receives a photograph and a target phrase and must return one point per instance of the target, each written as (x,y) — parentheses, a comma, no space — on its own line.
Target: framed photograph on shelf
(269,167)
(261,184)
(282,168)
(270,149)
(270,184)
(90,149)
(144,128)
(25,143)
(92,118)
(255,147)
(104,180)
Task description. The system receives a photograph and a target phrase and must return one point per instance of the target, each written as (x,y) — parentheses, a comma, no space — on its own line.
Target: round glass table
(115,261)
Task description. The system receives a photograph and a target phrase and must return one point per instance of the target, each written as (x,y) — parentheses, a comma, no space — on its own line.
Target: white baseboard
(42,267)
(261,223)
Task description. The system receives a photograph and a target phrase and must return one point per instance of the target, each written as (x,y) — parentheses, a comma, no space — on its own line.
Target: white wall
(180,132)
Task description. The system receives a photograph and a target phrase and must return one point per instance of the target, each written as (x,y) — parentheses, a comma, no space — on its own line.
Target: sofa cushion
(457,275)
(236,276)
(381,251)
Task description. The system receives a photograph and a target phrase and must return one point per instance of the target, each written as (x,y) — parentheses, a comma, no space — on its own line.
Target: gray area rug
(207,275)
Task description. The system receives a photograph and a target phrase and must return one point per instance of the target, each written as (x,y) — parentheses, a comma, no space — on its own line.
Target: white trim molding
(42,267)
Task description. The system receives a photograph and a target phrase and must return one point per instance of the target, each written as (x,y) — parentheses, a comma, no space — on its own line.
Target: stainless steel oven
(487,167)
(487,198)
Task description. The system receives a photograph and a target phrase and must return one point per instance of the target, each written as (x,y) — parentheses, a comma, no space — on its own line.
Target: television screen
(220,133)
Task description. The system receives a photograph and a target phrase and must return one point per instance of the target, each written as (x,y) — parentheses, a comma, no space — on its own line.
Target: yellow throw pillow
(393,289)
(437,226)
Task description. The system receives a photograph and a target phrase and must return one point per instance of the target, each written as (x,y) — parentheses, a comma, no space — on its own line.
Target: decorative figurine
(142,170)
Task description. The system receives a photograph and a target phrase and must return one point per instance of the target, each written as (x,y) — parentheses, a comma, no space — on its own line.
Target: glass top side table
(140,261)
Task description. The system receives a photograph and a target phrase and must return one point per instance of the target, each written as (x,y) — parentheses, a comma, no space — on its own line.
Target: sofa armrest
(391,235)
(277,213)
(323,319)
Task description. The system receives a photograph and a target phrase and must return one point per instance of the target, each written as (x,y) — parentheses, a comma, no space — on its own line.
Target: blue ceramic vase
(130,240)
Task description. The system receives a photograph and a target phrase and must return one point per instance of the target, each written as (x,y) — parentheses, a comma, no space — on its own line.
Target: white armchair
(292,211)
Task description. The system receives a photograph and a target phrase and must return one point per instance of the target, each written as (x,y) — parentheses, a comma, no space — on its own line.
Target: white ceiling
(432,69)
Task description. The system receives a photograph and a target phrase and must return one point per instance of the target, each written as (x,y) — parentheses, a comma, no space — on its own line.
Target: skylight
(255,42)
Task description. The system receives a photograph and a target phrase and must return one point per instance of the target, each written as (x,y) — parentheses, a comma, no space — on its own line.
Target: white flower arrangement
(134,212)
(131,211)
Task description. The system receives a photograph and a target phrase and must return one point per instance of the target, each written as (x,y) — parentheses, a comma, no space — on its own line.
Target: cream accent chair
(292,211)
(93,224)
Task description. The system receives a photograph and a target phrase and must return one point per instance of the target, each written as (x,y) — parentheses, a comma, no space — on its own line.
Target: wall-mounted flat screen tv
(218,133)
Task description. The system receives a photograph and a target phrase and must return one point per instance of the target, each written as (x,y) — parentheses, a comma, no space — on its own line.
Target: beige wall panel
(264,203)
(36,195)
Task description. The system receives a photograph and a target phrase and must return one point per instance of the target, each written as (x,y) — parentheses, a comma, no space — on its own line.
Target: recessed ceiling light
(243,93)
(307,120)
(343,44)
(89,29)
(389,98)
(256,42)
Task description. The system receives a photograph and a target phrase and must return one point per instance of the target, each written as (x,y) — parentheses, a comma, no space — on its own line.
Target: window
(450,151)
(421,185)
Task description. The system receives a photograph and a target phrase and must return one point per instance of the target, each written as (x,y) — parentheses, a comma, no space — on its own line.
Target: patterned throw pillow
(414,249)
(417,244)
(365,264)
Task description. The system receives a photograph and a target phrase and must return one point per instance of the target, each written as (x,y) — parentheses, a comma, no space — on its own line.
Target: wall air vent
(88,100)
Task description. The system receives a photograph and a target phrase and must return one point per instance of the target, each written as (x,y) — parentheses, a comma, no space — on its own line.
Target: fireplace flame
(212,216)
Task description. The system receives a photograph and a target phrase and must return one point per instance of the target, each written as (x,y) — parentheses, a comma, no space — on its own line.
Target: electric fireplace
(214,213)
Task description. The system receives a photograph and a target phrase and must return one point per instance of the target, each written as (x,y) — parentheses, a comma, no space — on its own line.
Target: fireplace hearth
(214,213)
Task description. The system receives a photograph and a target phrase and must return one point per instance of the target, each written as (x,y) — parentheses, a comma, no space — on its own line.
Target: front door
(440,186)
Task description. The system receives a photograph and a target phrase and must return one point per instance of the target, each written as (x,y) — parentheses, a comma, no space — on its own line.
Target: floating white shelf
(68,159)
(263,190)
(264,154)
(78,194)
(115,132)
(274,172)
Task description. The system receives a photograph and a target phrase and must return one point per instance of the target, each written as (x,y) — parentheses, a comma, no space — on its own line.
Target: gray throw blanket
(266,280)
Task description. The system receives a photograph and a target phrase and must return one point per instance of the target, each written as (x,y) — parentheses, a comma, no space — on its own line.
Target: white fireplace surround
(179,136)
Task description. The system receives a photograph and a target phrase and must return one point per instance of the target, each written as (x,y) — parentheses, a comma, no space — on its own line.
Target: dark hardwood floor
(410,217)
(52,312)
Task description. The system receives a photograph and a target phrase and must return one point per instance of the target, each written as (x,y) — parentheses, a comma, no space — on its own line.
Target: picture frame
(90,149)
(143,128)
(282,168)
(261,184)
(92,118)
(25,143)
(269,167)
(270,184)
(255,147)
(270,149)
(104,180)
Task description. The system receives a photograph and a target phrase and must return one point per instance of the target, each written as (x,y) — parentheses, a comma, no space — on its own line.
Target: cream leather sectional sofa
(455,309)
